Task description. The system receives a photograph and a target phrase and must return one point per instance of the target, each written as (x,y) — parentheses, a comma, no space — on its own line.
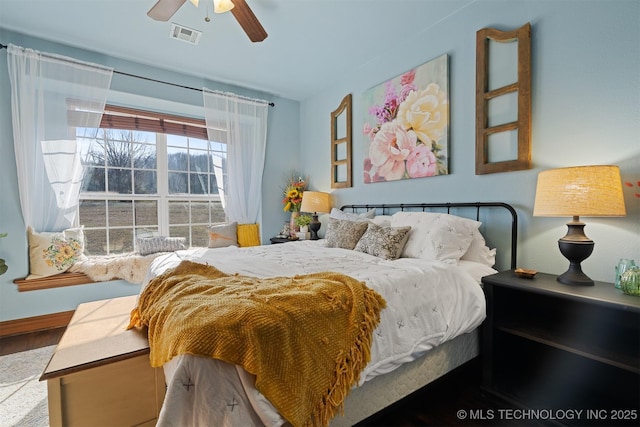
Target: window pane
(198,183)
(119,181)
(140,136)
(217,213)
(200,144)
(145,182)
(213,184)
(146,212)
(120,213)
(93,213)
(144,156)
(181,231)
(199,236)
(200,212)
(178,183)
(179,212)
(120,240)
(177,140)
(177,159)
(93,180)
(95,242)
(117,153)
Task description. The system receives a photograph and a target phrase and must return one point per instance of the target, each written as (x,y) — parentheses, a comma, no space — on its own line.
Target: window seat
(59,280)
(131,267)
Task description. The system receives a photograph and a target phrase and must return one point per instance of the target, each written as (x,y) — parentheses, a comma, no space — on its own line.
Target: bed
(434,305)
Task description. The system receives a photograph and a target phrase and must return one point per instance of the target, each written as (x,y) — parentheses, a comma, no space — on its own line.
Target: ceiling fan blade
(248,21)
(165,9)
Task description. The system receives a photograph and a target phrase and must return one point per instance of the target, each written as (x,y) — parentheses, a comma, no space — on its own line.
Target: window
(148,174)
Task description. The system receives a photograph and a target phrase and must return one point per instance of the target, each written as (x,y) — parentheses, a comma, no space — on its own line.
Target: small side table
(276,240)
(547,345)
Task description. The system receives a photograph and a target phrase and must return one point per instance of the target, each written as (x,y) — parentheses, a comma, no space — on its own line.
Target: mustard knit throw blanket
(305,338)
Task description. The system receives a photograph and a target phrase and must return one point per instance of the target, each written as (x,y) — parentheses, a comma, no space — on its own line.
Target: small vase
(293,228)
(630,281)
(622,266)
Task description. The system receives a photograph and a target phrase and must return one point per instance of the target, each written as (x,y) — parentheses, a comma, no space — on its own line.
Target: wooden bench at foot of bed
(100,374)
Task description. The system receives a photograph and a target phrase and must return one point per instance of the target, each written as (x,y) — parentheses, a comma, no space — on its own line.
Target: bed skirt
(384,390)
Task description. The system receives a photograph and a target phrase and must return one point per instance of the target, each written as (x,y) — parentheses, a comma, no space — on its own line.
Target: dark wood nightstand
(275,240)
(546,345)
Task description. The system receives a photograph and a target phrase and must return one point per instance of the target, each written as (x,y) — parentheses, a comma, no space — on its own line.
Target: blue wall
(282,137)
(585,110)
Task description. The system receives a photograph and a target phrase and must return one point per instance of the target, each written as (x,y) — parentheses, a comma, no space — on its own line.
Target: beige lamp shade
(579,191)
(315,201)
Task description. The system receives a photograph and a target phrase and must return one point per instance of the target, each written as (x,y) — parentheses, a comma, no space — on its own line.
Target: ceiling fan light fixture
(221,6)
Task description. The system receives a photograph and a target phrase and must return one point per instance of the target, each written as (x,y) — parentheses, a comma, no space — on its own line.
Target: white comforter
(428,303)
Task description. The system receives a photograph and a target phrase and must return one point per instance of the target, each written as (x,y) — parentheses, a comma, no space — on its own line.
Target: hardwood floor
(24,342)
(439,404)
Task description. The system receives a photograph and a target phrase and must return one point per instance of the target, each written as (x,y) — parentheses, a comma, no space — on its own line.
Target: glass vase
(621,267)
(293,227)
(630,281)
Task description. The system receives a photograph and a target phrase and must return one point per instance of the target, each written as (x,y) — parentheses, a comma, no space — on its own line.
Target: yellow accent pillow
(248,235)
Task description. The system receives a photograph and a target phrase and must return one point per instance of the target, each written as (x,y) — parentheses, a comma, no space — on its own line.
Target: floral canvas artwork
(406,124)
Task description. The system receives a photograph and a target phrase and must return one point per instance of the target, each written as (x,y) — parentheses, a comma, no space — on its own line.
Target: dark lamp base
(314,226)
(576,247)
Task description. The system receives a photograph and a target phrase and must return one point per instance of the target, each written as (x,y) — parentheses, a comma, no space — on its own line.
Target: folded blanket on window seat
(306,338)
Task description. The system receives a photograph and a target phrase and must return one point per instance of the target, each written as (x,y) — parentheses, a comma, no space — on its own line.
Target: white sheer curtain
(51,95)
(241,124)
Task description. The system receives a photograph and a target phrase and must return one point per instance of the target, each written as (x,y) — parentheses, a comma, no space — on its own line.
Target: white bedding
(428,303)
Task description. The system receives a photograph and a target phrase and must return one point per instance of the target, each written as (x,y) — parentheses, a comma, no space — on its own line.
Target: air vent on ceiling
(180,32)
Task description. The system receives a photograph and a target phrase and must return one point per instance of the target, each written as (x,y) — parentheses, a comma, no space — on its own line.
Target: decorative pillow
(383,242)
(349,216)
(435,236)
(53,253)
(248,235)
(479,251)
(344,234)
(152,245)
(381,220)
(223,235)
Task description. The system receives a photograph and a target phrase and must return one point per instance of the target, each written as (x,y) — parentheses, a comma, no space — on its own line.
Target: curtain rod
(270,104)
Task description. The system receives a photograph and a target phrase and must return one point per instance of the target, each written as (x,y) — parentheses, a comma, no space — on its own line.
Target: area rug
(23,399)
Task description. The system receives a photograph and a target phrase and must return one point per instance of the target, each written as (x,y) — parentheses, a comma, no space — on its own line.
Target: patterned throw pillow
(383,242)
(344,234)
(248,235)
(52,253)
(152,245)
(223,235)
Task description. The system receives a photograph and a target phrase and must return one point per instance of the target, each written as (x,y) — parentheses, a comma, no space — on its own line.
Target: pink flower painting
(406,125)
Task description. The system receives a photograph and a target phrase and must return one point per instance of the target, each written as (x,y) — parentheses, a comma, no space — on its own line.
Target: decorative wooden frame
(485,94)
(341,145)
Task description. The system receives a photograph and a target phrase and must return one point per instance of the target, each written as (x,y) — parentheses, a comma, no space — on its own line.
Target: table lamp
(578,191)
(315,201)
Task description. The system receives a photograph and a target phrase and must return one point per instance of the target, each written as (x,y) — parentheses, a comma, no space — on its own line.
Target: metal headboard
(460,209)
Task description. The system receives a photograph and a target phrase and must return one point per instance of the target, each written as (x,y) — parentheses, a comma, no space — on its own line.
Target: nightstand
(275,240)
(546,345)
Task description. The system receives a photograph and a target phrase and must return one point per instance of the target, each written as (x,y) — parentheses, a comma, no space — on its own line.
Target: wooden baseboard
(36,323)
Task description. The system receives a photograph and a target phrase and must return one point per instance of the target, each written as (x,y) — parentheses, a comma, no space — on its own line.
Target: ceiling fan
(163,10)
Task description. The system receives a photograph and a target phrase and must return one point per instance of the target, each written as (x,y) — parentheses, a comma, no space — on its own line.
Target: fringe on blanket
(131,267)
